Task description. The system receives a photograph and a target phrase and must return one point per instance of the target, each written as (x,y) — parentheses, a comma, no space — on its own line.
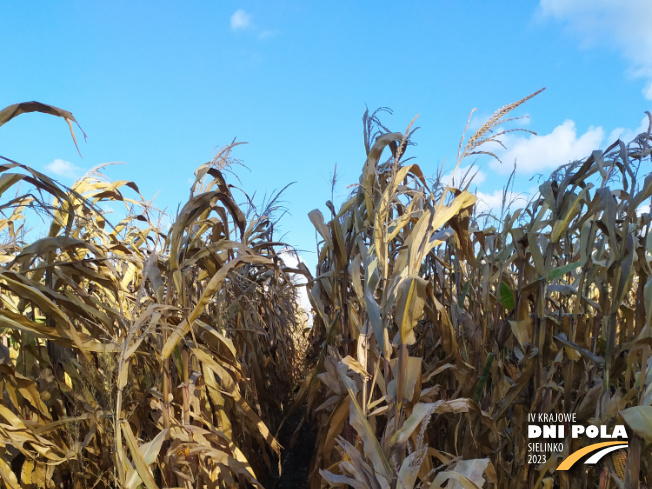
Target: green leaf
(483,378)
(559,272)
(507,296)
(465,291)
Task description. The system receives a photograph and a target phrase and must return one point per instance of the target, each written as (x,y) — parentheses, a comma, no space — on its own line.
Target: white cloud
(549,151)
(292,259)
(63,168)
(545,152)
(611,24)
(463,174)
(627,135)
(240,20)
(493,202)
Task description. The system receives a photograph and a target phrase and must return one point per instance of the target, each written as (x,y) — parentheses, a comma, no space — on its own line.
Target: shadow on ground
(297,453)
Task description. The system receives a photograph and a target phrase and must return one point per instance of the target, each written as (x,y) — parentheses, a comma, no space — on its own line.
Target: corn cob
(619,459)
(511,369)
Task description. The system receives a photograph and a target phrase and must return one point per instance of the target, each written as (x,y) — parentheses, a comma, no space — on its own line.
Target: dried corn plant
(141,355)
(137,355)
(437,335)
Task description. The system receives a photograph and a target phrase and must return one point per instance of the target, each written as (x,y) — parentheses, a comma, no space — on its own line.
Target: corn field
(137,354)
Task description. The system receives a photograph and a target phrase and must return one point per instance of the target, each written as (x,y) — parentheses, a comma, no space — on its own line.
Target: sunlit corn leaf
(639,419)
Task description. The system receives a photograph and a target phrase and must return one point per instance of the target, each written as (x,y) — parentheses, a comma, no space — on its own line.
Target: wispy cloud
(613,25)
(243,21)
(240,20)
(627,135)
(63,168)
(463,176)
(493,202)
(267,34)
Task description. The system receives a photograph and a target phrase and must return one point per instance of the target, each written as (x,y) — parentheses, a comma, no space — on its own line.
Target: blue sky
(160,85)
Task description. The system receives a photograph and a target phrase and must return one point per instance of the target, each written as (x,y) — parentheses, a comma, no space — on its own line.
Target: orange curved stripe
(575,456)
